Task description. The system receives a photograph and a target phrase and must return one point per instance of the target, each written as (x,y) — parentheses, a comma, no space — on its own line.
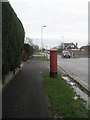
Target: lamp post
(42,46)
(63,41)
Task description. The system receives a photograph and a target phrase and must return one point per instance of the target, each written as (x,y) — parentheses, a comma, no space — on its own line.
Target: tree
(36,47)
(28,41)
(27,51)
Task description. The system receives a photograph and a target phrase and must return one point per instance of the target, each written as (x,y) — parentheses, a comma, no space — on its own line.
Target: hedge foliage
(28,49)
(12,39)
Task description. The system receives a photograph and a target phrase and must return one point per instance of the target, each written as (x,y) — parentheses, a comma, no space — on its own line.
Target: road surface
(76,67)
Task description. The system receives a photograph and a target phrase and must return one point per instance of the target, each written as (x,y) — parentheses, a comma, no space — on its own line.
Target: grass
(43,58)
(60,96)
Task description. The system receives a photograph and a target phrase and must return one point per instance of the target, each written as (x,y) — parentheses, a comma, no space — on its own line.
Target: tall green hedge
(28,49)
(12,39)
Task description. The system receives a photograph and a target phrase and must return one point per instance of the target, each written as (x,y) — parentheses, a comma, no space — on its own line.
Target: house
(70,46)
(85,48)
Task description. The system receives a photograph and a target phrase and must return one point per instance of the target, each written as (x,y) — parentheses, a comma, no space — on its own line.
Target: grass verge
(42,58)
(60,96)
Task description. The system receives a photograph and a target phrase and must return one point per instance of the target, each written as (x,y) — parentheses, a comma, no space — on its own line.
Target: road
(76,67)
(24,96)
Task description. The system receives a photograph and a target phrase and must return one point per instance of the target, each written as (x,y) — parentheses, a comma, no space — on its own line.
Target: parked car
(66,54)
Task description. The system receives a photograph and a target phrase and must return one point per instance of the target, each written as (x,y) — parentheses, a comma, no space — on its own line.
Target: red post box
(53,63)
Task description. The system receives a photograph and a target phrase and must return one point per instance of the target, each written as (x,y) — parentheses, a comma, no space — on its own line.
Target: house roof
(68,46)
(87,47)
(84,47)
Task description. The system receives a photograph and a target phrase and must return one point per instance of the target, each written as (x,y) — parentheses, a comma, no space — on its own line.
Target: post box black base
(53,74)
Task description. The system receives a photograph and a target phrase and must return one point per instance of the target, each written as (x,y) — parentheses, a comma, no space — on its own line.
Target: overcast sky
(67,18)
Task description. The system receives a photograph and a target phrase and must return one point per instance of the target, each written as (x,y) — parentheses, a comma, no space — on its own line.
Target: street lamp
(42,46)
(63,41)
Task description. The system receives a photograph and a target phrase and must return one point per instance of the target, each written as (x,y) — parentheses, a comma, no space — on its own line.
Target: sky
(65,20)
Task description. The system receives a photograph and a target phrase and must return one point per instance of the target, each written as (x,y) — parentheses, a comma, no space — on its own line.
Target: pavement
(24,96)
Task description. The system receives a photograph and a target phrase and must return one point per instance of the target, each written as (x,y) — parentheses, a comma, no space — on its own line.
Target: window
(72,46)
